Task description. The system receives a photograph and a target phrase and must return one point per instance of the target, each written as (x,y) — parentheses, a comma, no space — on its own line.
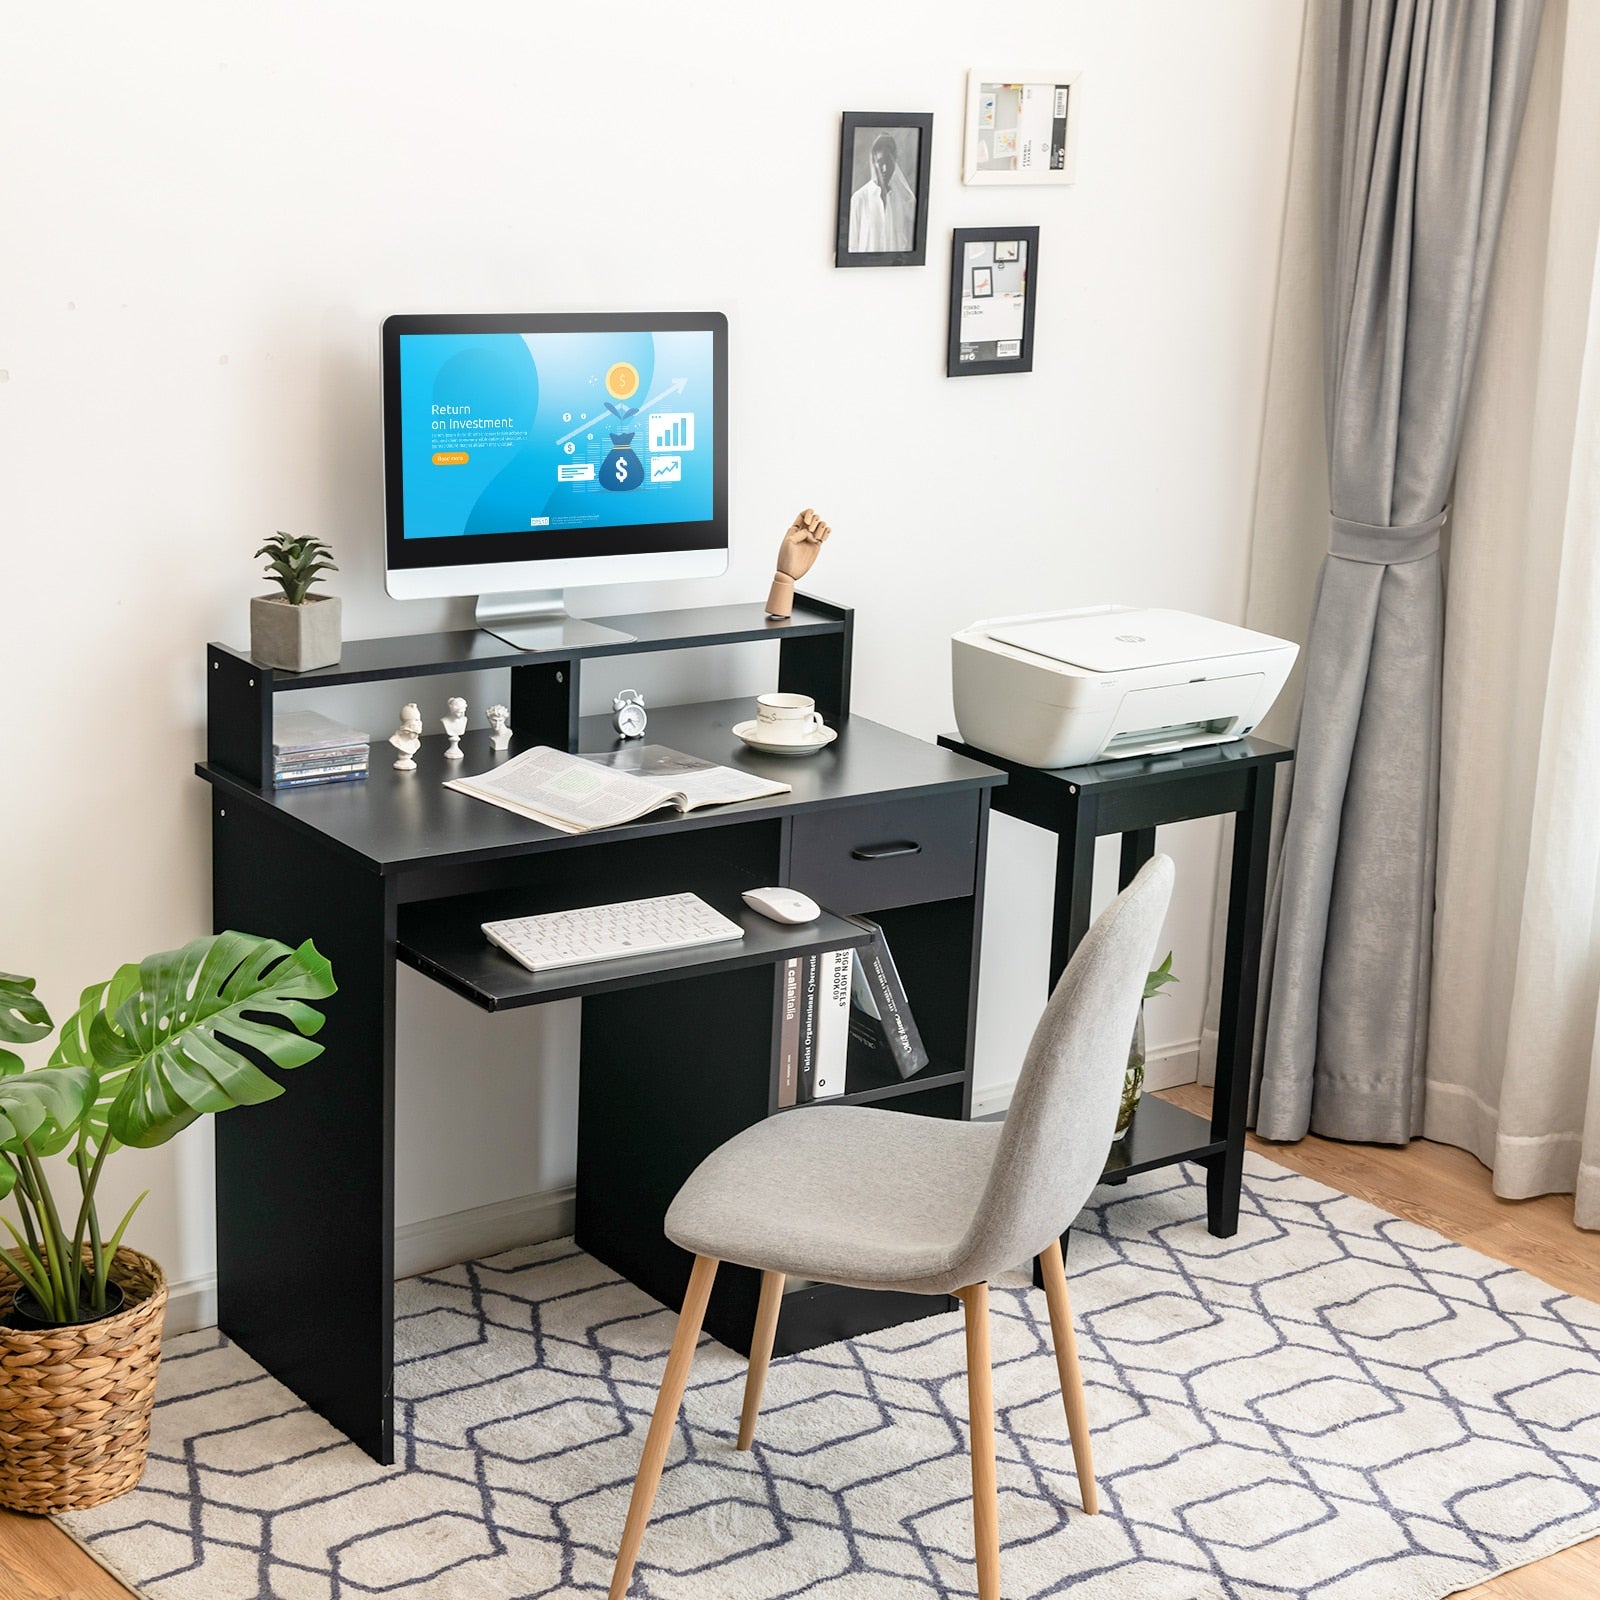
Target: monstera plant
(163,1042)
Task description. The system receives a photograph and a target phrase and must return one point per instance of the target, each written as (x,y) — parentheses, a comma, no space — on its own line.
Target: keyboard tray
(443,940)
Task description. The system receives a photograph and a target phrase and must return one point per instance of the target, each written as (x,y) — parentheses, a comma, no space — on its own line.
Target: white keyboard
(602,933)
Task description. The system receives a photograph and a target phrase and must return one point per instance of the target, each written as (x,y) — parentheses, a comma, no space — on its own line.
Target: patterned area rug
(1335,1403)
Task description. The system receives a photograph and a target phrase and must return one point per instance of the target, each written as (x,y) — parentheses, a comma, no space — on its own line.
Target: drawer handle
(886,852)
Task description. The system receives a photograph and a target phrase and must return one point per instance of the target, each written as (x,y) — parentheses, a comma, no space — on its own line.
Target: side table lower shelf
(1161,1134)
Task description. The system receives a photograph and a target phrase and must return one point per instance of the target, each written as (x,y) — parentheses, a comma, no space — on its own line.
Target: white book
(833,1024)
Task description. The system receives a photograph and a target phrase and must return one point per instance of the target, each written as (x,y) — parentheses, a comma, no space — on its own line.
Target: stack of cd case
(308,748)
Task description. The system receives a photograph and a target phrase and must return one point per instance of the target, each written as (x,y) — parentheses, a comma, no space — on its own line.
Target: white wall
(207,211)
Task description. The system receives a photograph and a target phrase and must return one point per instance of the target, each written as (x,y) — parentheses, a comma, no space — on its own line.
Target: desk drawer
(895,853)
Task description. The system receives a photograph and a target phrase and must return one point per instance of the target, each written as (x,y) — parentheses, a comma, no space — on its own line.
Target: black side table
(1132,797)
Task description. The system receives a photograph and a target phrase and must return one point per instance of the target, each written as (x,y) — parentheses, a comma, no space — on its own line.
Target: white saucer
(791,747)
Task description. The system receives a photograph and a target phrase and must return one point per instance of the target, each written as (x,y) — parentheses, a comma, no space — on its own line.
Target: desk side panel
(239,716)
(668,1074)
(305,1183)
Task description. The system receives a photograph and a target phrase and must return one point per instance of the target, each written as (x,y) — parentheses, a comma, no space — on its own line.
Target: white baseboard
(483,1231)
(423,1246)
(1164,1068)
(191,1304)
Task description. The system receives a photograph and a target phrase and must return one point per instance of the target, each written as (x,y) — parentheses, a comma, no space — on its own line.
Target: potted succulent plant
(1133,1080)
(295,630)
(145,1054)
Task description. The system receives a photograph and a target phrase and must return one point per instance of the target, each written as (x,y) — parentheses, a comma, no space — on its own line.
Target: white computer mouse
(783,905)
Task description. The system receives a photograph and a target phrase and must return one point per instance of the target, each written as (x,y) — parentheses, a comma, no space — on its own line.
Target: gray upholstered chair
(880,1200)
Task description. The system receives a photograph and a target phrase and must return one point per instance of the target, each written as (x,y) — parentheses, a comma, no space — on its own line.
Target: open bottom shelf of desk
(873,1086)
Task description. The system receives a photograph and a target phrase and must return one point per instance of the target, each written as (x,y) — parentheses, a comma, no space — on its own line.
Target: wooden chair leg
(755,1379)
(1055,1293)
(663,1421)
(980,1407)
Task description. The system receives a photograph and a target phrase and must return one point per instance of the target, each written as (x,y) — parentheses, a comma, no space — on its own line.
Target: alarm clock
(628,714)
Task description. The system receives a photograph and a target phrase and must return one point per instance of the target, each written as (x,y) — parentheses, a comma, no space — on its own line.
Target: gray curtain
(1423,99)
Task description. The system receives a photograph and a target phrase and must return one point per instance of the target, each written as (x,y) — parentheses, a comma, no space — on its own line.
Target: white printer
(1064,688)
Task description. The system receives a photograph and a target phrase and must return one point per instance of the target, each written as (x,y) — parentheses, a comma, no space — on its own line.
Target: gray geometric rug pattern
(1334,1403)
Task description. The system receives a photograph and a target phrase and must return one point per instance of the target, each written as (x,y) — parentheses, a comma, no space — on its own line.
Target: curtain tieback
(1365,541)
(1381,546)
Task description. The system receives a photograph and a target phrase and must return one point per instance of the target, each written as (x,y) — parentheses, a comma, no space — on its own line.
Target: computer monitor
(523,455)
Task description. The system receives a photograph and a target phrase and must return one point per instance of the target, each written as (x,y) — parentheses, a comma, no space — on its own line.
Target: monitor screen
(553,437)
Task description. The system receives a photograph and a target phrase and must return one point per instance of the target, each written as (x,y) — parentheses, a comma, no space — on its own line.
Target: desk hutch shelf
(813,658)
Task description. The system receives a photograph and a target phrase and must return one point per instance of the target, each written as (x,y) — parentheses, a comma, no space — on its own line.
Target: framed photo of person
(1020,129)
(994,276)
(884,160)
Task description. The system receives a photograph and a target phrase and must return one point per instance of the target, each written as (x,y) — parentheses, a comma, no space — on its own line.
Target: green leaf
(296,564)
(44,1108)
(165,1035)
(1159,979)
(33,1275)
(72,1046)
(23,1017)
(10,1063)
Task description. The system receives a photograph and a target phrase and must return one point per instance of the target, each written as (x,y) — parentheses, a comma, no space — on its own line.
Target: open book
(577,794)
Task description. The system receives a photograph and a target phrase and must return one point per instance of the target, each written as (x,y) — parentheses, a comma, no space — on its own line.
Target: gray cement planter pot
(295,638)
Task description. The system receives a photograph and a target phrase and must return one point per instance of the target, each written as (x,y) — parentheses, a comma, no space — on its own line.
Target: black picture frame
(983,282)
(853,125)
(971,251)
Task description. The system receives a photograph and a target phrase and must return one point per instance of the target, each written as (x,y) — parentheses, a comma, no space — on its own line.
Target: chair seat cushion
(843,1194)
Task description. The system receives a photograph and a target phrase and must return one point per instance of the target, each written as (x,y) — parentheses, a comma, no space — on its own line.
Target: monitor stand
(540,622)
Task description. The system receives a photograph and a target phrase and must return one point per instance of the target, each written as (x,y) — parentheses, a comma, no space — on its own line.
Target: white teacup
(787,718)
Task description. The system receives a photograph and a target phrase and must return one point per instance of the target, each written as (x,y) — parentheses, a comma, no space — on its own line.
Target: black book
(810,984)
(881,1023)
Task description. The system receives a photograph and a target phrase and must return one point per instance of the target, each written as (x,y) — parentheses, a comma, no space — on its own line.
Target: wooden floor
(1441,1188)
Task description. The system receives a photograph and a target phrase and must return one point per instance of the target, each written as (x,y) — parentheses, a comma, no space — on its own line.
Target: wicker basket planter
(75,1402)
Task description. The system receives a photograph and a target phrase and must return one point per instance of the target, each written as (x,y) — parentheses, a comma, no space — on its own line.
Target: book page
(565,791)
(697,782)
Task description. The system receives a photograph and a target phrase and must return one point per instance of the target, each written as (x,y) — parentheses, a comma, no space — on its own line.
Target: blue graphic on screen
(512,432)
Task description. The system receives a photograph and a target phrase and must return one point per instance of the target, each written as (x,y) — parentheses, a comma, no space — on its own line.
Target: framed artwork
(1020,129)
(884,160)
(992,300)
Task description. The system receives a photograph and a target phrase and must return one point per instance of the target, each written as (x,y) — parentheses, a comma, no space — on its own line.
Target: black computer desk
(678,1050)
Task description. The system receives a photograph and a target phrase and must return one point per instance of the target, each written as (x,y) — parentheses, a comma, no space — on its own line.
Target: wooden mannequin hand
(805,538)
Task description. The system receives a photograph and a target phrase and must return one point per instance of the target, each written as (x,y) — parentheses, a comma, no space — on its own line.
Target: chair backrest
(1058,1130)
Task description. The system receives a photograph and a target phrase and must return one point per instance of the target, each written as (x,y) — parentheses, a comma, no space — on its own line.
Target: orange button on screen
(449,458)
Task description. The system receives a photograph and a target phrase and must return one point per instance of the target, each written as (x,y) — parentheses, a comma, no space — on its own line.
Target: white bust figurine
(407,738)
(499,727)
(455,724)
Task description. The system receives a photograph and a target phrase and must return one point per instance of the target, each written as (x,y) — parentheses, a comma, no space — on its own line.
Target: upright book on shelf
(789,1033)
(806,1049)
(881,1024)
(833,1024)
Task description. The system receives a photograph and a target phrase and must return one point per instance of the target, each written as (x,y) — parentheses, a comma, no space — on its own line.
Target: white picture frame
(1020,128)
